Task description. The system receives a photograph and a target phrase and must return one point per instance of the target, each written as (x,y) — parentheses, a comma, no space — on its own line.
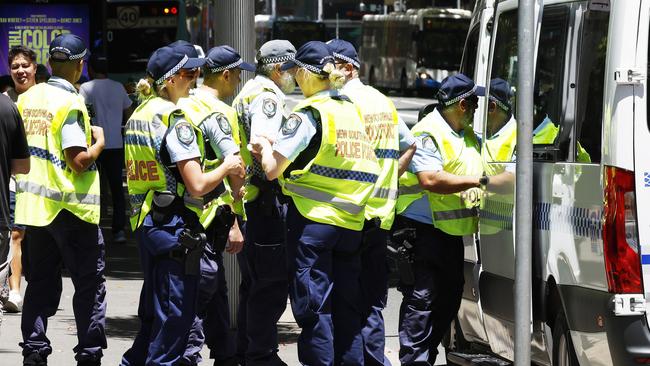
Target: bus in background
(134,29)
(413,51)
(347,29)
(298,31)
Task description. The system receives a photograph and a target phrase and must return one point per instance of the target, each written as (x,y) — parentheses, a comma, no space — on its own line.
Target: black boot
(34,359)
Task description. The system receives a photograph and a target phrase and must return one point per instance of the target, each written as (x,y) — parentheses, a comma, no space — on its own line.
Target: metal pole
(274,8)
(320,10)
(235,26)
(337,25)
(524,185)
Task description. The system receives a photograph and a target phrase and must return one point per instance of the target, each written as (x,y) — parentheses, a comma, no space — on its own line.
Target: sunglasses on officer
(188,73)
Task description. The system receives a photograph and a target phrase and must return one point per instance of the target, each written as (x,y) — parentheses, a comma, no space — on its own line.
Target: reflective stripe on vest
(380,192)
(72,197)
(381,124)
(455,214)
(337,185)
(324,197)
(51,185)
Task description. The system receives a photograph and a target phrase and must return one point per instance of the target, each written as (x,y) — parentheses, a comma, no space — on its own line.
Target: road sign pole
(524,185)
(235,26)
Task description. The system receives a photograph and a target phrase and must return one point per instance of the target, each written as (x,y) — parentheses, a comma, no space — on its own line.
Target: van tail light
(620,234)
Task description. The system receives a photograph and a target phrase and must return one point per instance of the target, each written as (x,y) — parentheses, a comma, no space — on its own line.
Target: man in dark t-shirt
(14,154)
(14,159)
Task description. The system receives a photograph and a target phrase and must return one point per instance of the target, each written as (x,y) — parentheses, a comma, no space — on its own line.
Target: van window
(591,80)
(499,143)
(548,90)
(504,61)
(468,64)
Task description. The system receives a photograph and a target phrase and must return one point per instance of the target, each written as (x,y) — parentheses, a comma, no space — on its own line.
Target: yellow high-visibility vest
(51,186)
(251,90)
(146,174)
(334,187)
(381,123)
(199,107)
(457,213)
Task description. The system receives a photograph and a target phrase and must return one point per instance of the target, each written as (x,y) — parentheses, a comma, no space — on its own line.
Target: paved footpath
(123,282)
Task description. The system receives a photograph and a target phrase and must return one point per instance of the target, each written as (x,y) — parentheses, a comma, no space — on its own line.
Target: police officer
(264,288)
(327,166)
(63,185)
(166,183)
(391,138)
(218,121)
(190,51)
(438,197)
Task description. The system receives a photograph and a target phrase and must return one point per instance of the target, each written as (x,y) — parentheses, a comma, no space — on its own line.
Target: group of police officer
(314,195)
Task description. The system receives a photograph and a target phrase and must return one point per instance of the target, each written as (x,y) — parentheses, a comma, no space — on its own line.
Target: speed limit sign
(127,16)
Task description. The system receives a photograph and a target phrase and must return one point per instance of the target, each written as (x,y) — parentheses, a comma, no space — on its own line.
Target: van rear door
(637,77)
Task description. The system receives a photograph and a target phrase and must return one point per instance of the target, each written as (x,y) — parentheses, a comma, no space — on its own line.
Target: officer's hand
(97,133)
(270,139)
(258,143)
(234,165)
(235,240)
(239,194)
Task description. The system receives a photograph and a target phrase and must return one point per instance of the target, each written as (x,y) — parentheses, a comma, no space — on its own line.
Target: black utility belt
(177,254)
(167,204)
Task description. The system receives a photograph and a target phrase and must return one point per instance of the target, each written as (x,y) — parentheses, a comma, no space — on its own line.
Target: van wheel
(563,351)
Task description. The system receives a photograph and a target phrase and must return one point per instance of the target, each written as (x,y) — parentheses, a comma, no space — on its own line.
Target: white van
(591,190)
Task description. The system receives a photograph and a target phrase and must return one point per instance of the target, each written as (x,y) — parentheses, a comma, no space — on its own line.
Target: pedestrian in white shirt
(110,106)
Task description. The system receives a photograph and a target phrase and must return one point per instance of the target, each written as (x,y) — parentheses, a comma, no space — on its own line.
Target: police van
(591,186)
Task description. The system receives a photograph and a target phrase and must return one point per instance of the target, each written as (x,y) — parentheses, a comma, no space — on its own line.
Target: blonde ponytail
(335,76)
(145,88)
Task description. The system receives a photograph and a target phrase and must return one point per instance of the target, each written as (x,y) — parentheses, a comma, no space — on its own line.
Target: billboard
(35,25)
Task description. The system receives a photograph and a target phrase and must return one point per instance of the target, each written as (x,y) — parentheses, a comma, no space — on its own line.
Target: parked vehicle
(591,187)
(412,51)
(298,31)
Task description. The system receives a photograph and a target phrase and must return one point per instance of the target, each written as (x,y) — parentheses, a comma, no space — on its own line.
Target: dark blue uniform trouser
(374,287)
(265,276)
(431,303)
(78,245)
(167,308)
(325,291)
(212,325)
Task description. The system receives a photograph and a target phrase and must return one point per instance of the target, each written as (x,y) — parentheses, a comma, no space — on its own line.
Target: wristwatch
(484,180)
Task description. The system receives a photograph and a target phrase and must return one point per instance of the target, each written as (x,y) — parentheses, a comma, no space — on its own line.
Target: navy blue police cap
(165,62)
(185,48)
(313,56)
(456,87)
(67,47)
(344,51)
(222,58)
(500,93)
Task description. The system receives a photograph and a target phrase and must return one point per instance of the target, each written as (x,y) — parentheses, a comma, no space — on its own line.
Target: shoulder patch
(428,144)
(184,132)
(291,124)
(270,107)
(224,125)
